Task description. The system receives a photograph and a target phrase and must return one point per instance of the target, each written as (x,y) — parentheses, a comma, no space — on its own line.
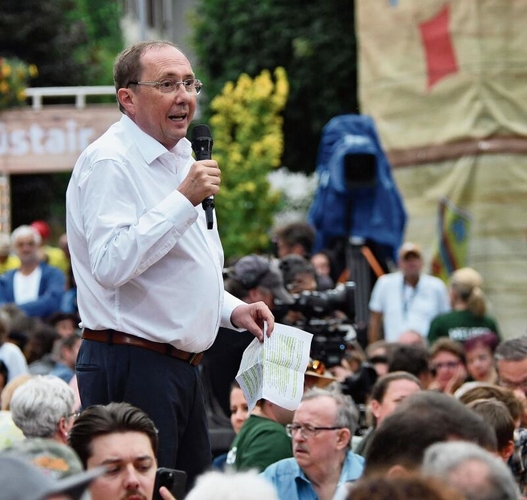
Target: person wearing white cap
(407,300)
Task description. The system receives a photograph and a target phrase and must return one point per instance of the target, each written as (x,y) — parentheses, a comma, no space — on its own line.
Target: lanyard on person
(408,298)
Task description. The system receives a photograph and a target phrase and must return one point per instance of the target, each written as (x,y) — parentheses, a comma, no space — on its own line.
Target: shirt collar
(149,148)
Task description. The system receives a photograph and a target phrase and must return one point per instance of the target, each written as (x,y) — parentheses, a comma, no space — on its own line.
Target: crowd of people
(119,349)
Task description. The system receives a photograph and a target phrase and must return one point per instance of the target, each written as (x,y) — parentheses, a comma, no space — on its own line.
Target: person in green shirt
(263,439)
(468,317)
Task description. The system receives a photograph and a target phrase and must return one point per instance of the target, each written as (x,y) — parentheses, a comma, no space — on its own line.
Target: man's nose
(131,480)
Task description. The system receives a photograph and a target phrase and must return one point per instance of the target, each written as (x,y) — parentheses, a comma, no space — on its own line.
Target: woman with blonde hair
(468,317)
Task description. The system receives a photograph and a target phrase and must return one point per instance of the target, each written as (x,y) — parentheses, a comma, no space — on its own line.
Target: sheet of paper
(275,369)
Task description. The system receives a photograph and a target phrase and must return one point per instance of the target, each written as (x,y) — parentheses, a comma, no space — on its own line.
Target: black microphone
(202,146)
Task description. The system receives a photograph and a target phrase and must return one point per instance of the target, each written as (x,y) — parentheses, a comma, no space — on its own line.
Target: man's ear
(375,407)
(62,429)
(126,99)
(398,471)
(343,437)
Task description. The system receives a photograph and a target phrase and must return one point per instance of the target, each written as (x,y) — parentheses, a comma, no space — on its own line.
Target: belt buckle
(193,357)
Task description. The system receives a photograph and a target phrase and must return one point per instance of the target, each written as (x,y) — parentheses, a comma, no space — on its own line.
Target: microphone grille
(201,131)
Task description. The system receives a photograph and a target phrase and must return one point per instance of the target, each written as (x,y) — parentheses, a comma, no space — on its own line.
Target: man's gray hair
(347,414)
(450,461)
(38,405)
(24,231)
(512,349)
(232,486)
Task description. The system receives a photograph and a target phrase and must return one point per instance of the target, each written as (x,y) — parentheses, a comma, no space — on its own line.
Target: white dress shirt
(143,259)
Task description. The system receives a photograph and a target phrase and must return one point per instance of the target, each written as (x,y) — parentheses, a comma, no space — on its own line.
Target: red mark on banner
(440,56)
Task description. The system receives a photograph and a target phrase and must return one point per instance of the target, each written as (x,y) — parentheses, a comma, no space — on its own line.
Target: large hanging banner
(438,71)
(445,82)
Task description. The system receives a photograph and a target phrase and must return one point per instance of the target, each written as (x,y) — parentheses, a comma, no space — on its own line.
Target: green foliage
(314,42)
(248,144)
(14,77)
(104,38)
(37,32)
(73,42)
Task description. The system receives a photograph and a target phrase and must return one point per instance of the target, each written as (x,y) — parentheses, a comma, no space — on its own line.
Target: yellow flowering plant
(248,144)
(14,77)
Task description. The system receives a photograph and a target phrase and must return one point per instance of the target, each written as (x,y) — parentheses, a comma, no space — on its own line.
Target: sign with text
(51,139)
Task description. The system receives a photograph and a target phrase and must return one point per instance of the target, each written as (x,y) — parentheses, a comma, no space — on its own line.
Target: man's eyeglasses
(74,415)
(191,85)
(307,431)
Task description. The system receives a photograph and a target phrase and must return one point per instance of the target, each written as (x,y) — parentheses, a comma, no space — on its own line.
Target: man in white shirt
(147,269)
(406,301)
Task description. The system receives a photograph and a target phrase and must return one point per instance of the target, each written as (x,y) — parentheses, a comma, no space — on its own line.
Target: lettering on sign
(51,139)
(37,140)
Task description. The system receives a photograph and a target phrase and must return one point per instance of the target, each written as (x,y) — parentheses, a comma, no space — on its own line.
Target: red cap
(43,228)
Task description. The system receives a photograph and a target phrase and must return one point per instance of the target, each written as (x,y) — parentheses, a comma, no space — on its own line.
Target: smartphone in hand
(174,480)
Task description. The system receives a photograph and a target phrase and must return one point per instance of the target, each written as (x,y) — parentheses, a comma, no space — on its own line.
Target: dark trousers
(167,389)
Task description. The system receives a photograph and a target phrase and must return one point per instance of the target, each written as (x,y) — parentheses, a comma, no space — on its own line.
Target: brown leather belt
(120,338)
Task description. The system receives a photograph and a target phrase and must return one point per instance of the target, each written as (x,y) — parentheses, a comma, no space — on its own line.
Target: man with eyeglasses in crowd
(511,365)
(322,428)
(147,268)
(44,407)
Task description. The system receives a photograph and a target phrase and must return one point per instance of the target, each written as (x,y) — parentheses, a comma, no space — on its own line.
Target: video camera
(329,316)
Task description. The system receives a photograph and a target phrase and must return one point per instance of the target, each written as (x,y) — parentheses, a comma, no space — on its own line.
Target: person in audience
(473,391)
(66,324)
(61,361)
(299,274)
(447,359)
(324,266)
(422,419)
(22,480)
(262,439)
(124,439)
(247,485)
(389,390)
(44,407)
(414,359)
(377,355)
(239,414)
(295,238)
(408,487)
(479,353)
(54,256)
(511,364)
(40,343)
(9,432)
(475,472)
(499,417)
(35,287)
(57,459)
(407,300)
(10,354)
(468,317)
(322,428)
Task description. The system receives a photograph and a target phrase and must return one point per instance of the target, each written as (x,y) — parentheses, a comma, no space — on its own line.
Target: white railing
(80,93)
